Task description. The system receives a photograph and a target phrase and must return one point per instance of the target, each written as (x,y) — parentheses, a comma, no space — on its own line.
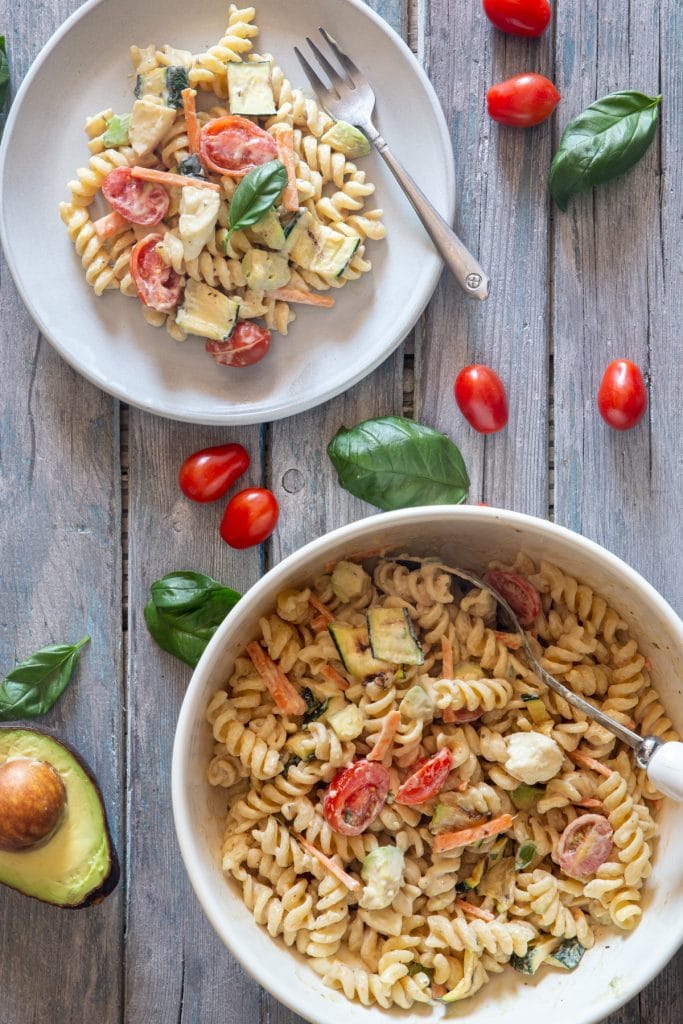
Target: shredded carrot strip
(109,225)
(305,298)
(509,640)
(287,698)
(591,803)
(327,862)
(447,658)
(284,137)
(449,716)
(325,612)
(581,758)
(191,123)
(330,673)
(171,180)
(467,836)
(472,911)
(438,991)
(386,736)
(319,623)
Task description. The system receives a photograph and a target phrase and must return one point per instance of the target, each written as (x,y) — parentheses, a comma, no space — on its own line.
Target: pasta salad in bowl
(374,791)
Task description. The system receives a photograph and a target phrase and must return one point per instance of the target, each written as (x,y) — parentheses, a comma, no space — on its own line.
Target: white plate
(85,68)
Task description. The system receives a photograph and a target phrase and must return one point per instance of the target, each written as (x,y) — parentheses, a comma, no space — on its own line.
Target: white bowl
(619,965)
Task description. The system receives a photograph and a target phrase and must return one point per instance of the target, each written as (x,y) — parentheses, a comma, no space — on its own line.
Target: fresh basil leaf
(33,686)
(4,70)
(604,141)
(394,462)
(257,193)
(185,610)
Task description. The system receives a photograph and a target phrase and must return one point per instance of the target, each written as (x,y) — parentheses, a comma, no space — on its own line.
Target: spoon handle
(665,769)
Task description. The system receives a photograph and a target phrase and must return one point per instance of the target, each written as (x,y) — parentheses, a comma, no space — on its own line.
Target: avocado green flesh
(77,860)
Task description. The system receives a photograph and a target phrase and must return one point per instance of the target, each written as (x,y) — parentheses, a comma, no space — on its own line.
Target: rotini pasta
(405,888)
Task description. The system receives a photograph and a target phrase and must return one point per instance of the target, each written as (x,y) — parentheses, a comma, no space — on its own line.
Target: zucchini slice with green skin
(471,883)
(535,956)
(165,83)
(525,797)
(250,87)
(392,637)
(207,312)
(117,131)
(314,246)
(268,231)
(567,955)
(355,653)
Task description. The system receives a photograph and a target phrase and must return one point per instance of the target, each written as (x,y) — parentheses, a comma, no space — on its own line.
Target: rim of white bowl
(188,841)
(402,325)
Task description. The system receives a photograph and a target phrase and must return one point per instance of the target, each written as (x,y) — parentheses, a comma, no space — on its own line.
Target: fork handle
(459,260)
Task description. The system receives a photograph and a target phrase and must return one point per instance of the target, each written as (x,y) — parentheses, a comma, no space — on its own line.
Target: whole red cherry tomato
(355,797)
(522,101)
(622,398)
(250,517)
(427,780)
(208,474)
(481,397)
(519,593)
(519,17)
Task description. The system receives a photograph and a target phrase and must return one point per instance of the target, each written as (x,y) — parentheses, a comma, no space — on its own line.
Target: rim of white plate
(355,533)
(403,325)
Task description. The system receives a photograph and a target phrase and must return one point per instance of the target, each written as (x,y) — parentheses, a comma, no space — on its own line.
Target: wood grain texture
(502,215)
(61,572)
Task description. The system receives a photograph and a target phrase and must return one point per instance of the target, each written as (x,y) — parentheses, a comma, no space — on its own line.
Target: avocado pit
(32,802)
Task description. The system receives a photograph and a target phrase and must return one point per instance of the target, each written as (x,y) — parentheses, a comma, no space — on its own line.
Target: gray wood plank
(175,967)
(617,293)
(502,216)
(61,578)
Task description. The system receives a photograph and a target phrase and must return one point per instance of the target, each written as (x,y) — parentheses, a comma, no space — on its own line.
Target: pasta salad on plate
(407,805)
(221,220)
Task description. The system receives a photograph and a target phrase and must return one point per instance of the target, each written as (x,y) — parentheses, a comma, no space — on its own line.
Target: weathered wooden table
(91,511)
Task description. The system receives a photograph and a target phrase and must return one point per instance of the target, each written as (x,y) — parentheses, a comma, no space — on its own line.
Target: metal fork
(351,98)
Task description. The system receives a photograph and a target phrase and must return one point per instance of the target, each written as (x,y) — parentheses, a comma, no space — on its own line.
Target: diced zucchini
(207,312)
(250,88)
(470,884)
(498,849)
(150,120)
(166,84)
(348,581)
(316,247)
(525,797)
(315,708)
(451,816)
(535,707)
(382,873)
(347,723)
(264,271)
(199,210)
(291,225)
(191,166)
(347,139)
(526,854)
(117,131)
(567,955)
(392,637)
(417,704)
(301,745)
(468,671)
(269,231)
(353,645)
(499,883)
(535,956)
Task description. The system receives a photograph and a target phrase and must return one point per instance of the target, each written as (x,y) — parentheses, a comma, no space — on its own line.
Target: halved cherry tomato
(235,145)
(208,474)
(519,593)
(247,344)
(622,398)
(157,285)
(427,780)
(355,797)
(522,101)
(481,398)
(584,845)
(251,517)
(463,716)
(519,17)
(140,202)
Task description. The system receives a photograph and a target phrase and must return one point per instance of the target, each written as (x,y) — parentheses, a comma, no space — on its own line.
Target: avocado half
(76,865)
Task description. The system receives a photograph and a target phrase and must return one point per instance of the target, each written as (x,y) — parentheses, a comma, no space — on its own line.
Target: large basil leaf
(394,462)
(257,193)
(185,610)
(605,140)
(32,687)
(4,71)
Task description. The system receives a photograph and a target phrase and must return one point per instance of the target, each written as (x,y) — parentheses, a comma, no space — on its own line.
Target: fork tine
(354,73)
(331,72)
(324,94)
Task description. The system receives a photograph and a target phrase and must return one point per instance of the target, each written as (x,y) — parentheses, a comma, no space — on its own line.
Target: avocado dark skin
(52,813)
